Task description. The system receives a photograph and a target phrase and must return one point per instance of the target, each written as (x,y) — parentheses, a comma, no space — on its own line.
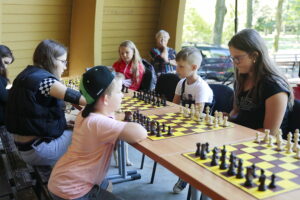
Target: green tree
(278,23)
(220,12)
(195,29)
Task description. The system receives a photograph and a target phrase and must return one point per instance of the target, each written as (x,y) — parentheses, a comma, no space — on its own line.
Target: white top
(199,91)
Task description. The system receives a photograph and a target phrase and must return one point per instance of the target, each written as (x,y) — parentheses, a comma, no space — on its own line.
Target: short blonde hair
(163,33)
(191,55)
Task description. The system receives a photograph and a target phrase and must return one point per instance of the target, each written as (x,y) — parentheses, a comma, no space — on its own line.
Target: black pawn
(207,147)
(215,157)
(126,89)
(223,164)
(262,180)
(164,101)
(123,88)
(254,170)
(158,102)
(197,153)
(203,155)
(249,177)
(240,173)
(170,131)
(148,126)
(134,94)
(232,171)
(163,127)
(152,128)
(158,134)
(272,184)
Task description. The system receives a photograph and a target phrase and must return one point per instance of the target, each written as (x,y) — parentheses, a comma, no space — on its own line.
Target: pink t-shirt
(88,157)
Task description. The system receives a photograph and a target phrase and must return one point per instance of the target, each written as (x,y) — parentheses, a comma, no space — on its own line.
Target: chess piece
(203,154)
(197,153)
(187,111)
(270,143)
(215,157)
(240,173)
(169,131)
(181,109)
(257,139)
(272,183)
(216,124)
(279,136)
(262,181)
(223,164)
(249,177)
(152,128)
(207,111)
(207,147)
(134,94)
(209,121)
(192,111)
(225,122)
(296,140)
(126,89)
(279,144)
(163,127)
(297,156)
(158,134)
(254,170)
(289,143)
(232,171)
(267,135)
(128,116)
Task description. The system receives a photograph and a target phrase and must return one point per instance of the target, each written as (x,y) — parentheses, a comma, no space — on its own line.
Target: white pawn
(289,143)
(270,144)
(181,110)
(267,135)
(216,124)
(297,156)
(296,140)
(279,145)
(225,121)
(192,111)
(279,136)
(209,121)
(186,111)
(257,139)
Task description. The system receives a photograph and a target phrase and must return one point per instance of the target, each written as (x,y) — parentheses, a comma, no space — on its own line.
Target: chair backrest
(223,96)
(166,85)
(294,117)
(149,78)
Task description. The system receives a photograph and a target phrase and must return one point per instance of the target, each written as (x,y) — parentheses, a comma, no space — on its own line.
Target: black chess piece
(123,88)
(158,102)
(165,102)
(128,116)
(232,158)
(170,131)
(249,177)
(272,183)
(240,173)
(152,128)
(223,164)
(262,181)
(197,153)
(163,127)
(203,155)
(254,170)
(232,171)
(158,134)
(207,147)
(126,89)
(134,94)
(148,126)
(215,157)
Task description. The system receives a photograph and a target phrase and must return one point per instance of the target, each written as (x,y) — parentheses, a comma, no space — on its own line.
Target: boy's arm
(176,99)
(133,133)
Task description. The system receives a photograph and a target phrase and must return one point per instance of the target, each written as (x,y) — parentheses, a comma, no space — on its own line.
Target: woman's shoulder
(271,84)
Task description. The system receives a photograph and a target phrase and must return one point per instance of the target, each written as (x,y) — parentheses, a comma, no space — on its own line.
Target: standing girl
(6,58)
(262,94)
(130,64)
(34,112)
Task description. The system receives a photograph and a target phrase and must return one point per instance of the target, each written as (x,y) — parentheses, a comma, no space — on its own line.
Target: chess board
(182,126)
(283,165)
(132,104)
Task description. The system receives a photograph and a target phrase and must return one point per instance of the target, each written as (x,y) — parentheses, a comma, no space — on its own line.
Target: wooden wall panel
(135,20)
(26,22)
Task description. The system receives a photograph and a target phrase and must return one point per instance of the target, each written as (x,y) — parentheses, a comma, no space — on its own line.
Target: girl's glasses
(237,59)
(65,62)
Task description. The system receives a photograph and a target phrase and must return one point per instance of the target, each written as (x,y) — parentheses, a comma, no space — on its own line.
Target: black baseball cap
(94,82)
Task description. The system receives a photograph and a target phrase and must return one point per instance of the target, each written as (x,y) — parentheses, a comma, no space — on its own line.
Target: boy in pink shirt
(80,171)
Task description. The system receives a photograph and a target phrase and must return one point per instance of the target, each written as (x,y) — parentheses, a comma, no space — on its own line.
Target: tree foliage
(220,12)
(195,29)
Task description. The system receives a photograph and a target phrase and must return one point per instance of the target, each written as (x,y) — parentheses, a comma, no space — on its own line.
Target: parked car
(216,63)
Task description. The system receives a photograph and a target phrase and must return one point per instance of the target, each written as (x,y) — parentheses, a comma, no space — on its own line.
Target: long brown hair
(249,41)
(136,59)
(5,52)
(46,53)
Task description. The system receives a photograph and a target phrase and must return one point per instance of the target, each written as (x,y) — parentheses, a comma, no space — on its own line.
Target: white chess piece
(192,111)
(216,124)
(297,153)
(279,136)
(289,143)
(187,111)
(225,121)
(181,110)
(270,144)
(279,145)
(267,135)
(296,140)
(209,121)
(257,139)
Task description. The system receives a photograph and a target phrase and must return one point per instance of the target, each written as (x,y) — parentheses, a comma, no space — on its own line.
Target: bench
(18,180)
(287,61)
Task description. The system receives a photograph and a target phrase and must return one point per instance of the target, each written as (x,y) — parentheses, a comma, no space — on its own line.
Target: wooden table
(168,153)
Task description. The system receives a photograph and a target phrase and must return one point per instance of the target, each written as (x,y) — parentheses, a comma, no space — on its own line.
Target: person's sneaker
(179,186)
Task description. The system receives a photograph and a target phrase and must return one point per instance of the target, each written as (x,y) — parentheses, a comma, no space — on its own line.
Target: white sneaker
(179,186)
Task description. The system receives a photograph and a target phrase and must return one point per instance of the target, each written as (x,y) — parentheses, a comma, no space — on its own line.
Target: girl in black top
(262,94)
(6,58)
